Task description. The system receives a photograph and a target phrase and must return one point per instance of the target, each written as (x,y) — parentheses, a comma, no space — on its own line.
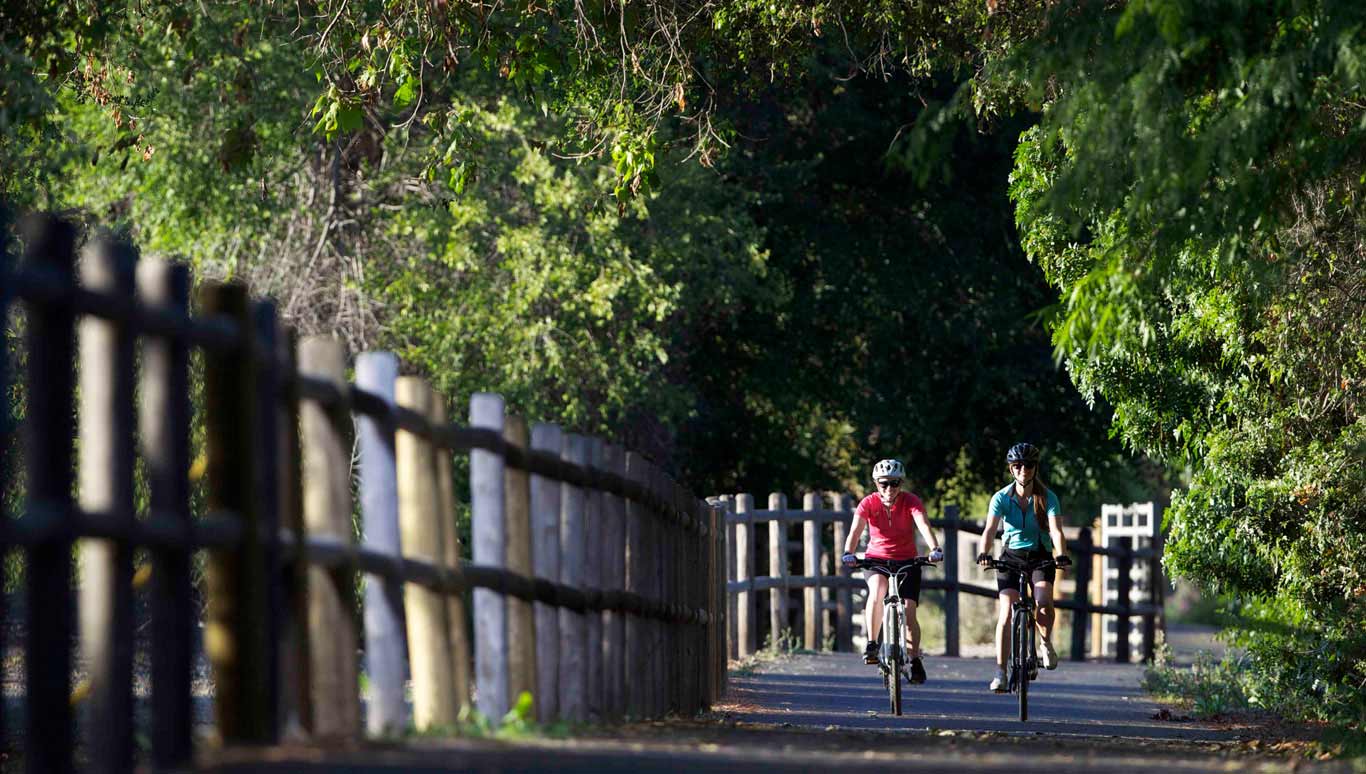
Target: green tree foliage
(1193,191)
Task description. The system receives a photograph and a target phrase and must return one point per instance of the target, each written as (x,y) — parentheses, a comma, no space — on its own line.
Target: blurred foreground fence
(596,582)
(821,614)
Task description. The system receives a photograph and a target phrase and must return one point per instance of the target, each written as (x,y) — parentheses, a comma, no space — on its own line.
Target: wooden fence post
(327,514)
(489,549)
(811,555)
(377,373)
(844,597)
(164,422)
(546,505)
(7,420)
(1126,566)
(659,591)
(777,568)
(746,630)
(49,434)
(1081,583)
(635,583)
(269,376)
(296,666)
(421,535)
(951,620)
(106,493)
(577,534)
(614,621)
(458,632)
(732,570)
(594,571)
(521,625)
(720,626)
(235,579)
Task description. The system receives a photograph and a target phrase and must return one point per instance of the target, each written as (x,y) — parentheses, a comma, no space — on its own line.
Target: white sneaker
(1050,656)
(998,683)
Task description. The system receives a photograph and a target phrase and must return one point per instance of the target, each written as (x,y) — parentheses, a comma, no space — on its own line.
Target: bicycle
(892,658)
(1024,662)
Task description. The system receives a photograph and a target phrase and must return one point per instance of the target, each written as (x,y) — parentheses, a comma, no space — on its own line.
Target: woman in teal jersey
(1033,530)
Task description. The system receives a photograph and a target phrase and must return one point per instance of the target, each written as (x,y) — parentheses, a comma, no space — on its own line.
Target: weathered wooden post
(7,421)
(1081,549)
(579,536)
(636,641)
(777,569)
(235,579)
(435,703)
(164,422)
(591,574)
(844,598)
(811,555)
(458,634)
(489,549)
(49,433)
(521,624)
(377,374)
(327,514)
(106,493)
(732,599)
(951,622)
(614,579)
(269,481)
(546,507)
(650,588)
(725,549)
(1126,567)
(295,662)
(656,537)
(745,630)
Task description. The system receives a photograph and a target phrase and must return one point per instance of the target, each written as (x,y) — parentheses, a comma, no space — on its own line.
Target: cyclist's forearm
(855,532)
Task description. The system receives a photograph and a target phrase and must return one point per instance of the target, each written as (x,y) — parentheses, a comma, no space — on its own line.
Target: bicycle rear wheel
(1021,647)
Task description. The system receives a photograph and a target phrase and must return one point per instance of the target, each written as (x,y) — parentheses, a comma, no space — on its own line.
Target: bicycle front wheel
(1023,630)
(895,663)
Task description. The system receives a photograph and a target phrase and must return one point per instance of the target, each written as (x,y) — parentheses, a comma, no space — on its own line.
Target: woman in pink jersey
(892,517)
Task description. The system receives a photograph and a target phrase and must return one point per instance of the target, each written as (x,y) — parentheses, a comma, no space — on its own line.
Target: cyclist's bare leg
(872,609)
(1006,598)
(1044,612)
(912,630)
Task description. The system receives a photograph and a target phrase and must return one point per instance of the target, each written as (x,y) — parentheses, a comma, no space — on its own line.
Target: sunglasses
(1023,465)
(889,484)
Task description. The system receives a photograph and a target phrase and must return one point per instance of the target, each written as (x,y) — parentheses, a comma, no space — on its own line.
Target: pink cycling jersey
(891,535)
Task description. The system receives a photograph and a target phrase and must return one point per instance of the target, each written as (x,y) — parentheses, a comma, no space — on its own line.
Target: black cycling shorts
(1011,580)
(910,581)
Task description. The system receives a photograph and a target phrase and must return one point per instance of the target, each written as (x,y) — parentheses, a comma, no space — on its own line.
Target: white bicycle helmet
(888,469)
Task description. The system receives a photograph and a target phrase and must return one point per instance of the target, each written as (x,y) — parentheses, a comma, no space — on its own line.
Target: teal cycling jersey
(1022,529)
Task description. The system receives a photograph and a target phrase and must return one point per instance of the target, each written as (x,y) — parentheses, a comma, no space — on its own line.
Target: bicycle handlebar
(867,564)
(1026,567)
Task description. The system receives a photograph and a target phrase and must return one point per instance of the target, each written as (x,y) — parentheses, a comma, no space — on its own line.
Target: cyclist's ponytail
(1040,504)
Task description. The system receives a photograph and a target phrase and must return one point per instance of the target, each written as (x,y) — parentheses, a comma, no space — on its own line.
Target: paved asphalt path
(824,713)
(1093,699)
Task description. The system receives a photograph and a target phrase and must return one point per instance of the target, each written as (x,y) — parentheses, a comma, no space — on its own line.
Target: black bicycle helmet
(1023,452)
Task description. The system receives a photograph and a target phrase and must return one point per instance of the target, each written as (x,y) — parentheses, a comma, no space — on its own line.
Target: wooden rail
(745,588)
(596,580)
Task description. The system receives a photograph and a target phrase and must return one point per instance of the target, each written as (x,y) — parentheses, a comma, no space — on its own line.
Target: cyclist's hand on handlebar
(937,554)
(849,560)
(984,559)
(1062,560)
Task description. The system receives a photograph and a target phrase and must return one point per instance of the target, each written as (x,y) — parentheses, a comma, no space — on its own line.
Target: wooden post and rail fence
(595,582)
(820,546)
